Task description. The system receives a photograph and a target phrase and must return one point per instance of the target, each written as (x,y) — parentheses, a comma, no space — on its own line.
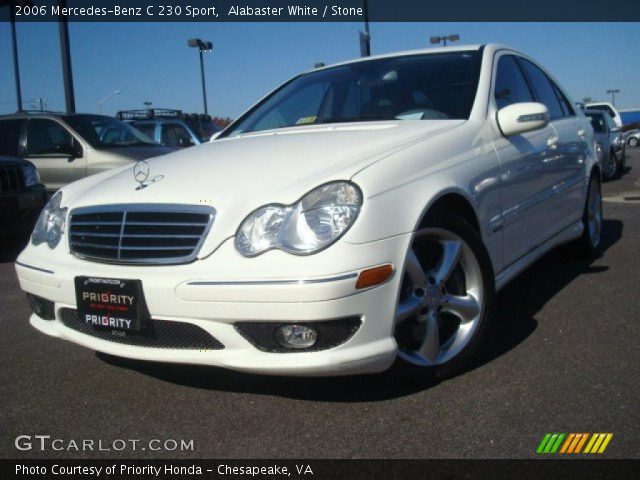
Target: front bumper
(225,288)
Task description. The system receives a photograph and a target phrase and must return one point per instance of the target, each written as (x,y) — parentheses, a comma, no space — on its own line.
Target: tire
(610,166)
(445,303)
(589,243)
(622,164)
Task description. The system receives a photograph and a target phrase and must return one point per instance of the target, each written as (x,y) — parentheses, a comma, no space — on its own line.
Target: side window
(544,89)
(174,135)
(10,138)
(148,129)
(511,86)
(48,138)
(567,108)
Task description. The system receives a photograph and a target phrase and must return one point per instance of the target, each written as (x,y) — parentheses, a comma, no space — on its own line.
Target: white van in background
(607,107)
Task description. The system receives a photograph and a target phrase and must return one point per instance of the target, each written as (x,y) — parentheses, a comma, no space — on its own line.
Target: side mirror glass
(185,142)
(522,117)
(72,150)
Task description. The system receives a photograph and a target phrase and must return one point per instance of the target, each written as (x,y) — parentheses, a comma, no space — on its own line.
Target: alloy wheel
(441,299)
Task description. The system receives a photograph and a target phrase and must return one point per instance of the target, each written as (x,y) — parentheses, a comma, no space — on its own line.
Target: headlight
(50,225)
(31,175)
(311,224)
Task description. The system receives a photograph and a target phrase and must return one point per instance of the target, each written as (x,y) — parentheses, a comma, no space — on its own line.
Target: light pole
(613,95)
(100,102)
(365,37)
(451,38)
(202,46)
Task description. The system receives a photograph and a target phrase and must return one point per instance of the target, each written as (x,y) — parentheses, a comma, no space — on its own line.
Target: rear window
(10,138)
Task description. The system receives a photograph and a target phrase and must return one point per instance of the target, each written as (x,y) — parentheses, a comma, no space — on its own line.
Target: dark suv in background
(22,196)
(68,147)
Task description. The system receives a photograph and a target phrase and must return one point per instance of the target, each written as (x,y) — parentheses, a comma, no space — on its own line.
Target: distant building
(629,116)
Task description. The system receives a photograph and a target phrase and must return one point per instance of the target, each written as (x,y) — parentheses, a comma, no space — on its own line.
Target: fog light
(41,307)
(296,336)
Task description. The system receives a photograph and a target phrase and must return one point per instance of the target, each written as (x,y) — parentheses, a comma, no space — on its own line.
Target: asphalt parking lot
(563,357)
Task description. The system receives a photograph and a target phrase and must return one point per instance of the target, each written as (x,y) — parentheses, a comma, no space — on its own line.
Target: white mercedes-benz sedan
(360,213)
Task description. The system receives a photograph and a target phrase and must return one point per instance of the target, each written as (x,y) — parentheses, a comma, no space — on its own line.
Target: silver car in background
(607,138)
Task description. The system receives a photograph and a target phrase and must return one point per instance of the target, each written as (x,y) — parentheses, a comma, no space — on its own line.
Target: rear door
(50,147)
(528,173)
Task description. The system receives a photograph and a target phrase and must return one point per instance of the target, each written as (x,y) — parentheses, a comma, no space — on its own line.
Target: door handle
(582,132)
(552,142)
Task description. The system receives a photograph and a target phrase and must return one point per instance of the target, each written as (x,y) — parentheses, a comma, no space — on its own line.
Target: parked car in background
(607,136)
(171,128)
(22,196)
(359,213)
(607,107)
(633,138)
(69,147)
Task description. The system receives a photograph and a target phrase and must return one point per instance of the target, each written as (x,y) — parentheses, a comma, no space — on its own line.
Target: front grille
(139,233)
(157,334)
(11,180)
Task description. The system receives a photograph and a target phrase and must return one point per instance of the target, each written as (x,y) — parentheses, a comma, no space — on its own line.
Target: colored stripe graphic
(550,443)
(598,442)
(573,443)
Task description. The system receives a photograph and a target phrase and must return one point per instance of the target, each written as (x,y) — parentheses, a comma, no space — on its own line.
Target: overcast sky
(151,61)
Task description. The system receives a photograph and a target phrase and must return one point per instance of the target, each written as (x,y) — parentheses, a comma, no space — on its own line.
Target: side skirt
(512,271)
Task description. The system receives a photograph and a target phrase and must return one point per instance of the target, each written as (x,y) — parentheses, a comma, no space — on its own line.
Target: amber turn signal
(374,276)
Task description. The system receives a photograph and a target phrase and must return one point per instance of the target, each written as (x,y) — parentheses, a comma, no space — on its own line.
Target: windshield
(597,122)
(418,87)
(107,132)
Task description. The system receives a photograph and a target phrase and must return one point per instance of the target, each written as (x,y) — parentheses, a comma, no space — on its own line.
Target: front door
(55,152)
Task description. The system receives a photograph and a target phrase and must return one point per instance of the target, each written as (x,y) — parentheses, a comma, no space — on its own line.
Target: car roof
(46,113)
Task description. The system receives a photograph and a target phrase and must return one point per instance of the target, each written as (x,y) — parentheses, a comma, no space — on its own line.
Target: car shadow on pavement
(515,321)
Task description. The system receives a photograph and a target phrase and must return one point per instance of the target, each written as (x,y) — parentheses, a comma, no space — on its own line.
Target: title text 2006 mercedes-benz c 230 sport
(359,213)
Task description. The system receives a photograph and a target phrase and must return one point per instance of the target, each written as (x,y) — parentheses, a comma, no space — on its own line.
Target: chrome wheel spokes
(441,301)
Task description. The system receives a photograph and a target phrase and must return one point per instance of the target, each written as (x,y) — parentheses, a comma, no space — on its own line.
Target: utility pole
(65,53)
(365,37)
(202,46)
(613,95)
(14,46)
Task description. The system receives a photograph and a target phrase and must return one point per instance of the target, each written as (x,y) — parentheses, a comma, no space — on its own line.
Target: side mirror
(185,142)
(71,150)
(522,117)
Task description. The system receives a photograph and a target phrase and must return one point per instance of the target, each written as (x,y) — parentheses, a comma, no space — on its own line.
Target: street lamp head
(454,38)
(201,44)
(434,40)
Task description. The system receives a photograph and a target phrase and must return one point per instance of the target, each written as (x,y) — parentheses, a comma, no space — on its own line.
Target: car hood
(238,175)
(140,152)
